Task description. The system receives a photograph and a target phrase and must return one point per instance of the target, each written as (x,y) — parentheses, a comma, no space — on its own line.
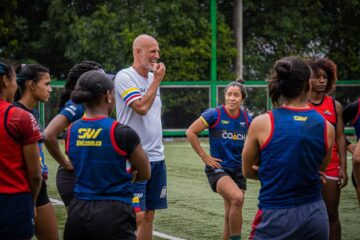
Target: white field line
(165,236)
(155,233)
(56,202)
(185,146)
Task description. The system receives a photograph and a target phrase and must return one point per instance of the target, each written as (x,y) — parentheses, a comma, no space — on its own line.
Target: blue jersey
(72,111)
(100,165)
(291,158)
(226,135)
(356,122)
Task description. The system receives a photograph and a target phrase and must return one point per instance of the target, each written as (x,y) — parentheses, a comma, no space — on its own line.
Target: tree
(184,37)
(274,29)
(9,44)
(59,33)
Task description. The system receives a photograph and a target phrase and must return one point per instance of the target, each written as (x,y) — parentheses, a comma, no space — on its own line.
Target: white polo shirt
(129,86)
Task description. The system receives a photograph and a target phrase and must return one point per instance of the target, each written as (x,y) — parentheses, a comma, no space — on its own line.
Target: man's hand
(159,71)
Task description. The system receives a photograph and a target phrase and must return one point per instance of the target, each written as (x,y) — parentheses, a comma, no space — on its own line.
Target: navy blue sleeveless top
(291,157)
(100,165)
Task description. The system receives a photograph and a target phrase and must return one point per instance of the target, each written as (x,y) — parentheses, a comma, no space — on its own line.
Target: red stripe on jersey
(358,114)
(217,120)
(271,133)
(113,140)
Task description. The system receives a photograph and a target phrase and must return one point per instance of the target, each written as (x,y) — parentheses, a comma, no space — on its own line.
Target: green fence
(184,101)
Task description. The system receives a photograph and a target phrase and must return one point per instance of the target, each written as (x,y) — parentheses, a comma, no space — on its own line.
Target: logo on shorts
(136,204)
(163,192)
(138,195)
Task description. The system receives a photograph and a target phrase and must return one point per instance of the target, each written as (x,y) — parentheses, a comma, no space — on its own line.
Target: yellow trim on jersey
(204,121)
(129,91)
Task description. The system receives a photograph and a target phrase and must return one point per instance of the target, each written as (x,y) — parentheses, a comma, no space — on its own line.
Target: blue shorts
(17,216)
(151,194)
(309,221)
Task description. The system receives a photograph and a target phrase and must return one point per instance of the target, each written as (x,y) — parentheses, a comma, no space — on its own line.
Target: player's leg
(357,191)
(45,222)
(145,228)
(226,231)
(156,198)
(356,187)
(46,225)
(230,191)
(139,203)
(331,196)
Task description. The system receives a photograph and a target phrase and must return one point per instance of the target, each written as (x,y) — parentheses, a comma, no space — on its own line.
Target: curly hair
(329,67)
(72,77)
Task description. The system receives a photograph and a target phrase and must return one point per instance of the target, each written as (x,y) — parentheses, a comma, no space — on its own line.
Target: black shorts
(214,174)
(65,183)
(100,219)
(353,179)
(43,197)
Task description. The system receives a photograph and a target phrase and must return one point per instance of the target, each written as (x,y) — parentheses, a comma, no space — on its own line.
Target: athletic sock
(237,237)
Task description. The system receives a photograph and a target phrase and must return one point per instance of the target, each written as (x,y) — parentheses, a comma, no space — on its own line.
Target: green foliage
(65,32)
(8,42)
(274,29)
(59,33)
(341,38)
(226,52)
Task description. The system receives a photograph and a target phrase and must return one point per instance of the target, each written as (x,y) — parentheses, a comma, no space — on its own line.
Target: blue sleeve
(72,111)
(209,116)
(36,114)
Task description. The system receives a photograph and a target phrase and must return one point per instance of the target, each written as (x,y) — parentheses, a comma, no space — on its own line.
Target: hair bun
(283,68)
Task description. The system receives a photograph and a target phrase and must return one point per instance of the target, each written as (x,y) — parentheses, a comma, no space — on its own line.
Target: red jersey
(327,109)
(17,128)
